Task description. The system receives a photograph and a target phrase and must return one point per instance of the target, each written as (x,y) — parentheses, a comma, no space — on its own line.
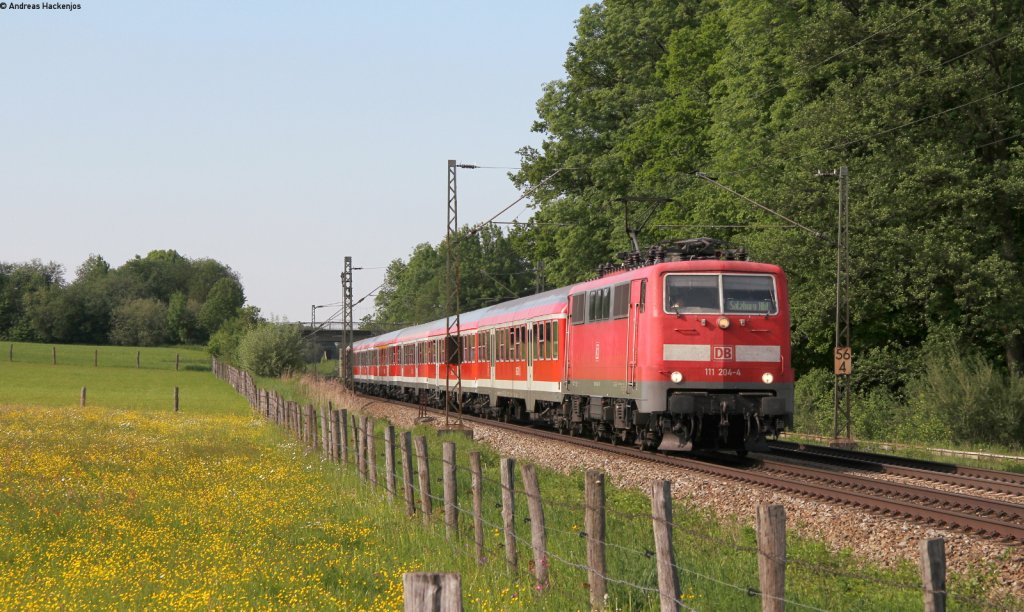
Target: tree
(270,349)
(17,281)
(224,342)
(761,95)
(222,303)
(141,322)
(182,319)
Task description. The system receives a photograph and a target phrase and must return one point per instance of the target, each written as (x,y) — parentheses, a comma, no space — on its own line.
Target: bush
(813,403)
(141,322)
(968,397)
(270,349)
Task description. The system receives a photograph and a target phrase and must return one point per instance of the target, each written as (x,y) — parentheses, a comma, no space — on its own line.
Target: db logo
(723,353)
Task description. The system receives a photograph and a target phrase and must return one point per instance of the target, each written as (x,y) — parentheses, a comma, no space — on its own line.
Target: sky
(275,137)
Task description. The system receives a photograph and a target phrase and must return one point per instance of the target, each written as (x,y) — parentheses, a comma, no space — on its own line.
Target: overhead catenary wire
(874,135)
(338,312)
(792,222)
(872,35)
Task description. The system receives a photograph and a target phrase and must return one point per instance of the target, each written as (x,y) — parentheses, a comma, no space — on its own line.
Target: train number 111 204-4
(722,372)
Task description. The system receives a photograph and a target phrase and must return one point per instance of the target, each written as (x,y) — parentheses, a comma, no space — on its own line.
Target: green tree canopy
(37,304)
(922,101)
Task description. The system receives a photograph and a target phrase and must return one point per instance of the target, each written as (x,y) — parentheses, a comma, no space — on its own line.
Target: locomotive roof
(556,301)
(549,302)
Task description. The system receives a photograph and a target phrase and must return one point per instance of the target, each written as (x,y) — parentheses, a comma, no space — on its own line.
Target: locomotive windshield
(706,293)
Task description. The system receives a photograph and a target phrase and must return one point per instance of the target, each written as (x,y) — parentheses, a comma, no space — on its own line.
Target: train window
(538,341)
(620,301)
(643,295)
(579,311)
(599,304)
(748,293)
(692,293)
(554,339)
(547,338)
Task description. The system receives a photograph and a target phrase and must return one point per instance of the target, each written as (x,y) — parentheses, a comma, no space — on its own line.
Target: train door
(529,356)
(576,314)
(491,348)
(637,299)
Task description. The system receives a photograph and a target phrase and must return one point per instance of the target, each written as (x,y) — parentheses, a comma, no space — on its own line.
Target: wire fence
(626,564)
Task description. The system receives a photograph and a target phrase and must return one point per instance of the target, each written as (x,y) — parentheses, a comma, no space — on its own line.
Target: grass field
(126,504)
(149,358)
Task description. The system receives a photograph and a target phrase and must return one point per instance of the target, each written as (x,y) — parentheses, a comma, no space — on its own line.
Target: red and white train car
(681,354)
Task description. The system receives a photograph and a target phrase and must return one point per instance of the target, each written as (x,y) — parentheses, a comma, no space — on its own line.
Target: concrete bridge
(327,337)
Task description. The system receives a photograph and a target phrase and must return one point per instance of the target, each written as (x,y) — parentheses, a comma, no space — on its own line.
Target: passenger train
(688,349)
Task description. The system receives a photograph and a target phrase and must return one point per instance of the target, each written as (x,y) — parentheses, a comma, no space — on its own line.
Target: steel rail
(950,478)
(909,492)
(925,512)
(999,481)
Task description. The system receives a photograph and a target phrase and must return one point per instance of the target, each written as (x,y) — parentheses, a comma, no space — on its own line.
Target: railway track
(979,516)
(929,471)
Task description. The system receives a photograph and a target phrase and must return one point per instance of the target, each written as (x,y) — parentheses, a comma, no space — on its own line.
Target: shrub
(141,322)
(270,349)
(969,397)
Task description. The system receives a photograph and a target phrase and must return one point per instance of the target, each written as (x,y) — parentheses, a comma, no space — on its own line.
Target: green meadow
(126,504)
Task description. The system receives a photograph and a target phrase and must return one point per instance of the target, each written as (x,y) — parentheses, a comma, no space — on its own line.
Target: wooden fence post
(95,358)
(325,438)
(423,467)
(451,511)
(771,556)
(389,461)
(10,354)
(336,435)
(177,361)
(344,434)
(477,485)
(538,535)
(357,438)
(594,524)
(82,400)
(311,422)
(138,359)
(933,574)
(661,511)
(371,452)
(410,505)
(508,510)
(54,349)
(176,399)
(432,592)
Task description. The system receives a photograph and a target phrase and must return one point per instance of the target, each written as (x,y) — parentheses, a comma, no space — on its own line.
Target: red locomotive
(686,349)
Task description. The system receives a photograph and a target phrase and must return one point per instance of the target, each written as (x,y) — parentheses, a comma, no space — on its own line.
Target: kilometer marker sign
(844,360)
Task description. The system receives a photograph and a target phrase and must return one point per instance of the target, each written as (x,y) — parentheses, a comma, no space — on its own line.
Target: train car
(687,350)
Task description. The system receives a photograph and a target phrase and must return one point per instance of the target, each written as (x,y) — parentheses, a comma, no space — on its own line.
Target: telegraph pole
(346,309)
(453,341)
(843,354)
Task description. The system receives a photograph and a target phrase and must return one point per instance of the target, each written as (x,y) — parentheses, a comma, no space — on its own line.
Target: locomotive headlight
(677,376)
(767,378)
(723,323)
